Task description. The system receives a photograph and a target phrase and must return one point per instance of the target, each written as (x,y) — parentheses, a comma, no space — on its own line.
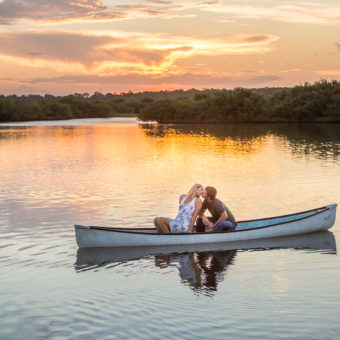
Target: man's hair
(211,192)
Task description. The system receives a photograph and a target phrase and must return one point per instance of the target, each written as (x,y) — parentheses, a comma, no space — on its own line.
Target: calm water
(117,172)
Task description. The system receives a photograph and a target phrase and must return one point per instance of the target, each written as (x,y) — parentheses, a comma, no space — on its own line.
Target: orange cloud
(135,80)
(305,12)
(331,73)
(112,54)
(48,10)
(160,2)
(207,3)
(51,11)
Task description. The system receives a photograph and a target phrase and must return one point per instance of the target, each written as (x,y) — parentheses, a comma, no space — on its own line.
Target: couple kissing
(192,209)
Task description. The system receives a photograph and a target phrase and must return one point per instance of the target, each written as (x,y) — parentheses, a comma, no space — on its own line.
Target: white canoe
(322,241)
(293,224)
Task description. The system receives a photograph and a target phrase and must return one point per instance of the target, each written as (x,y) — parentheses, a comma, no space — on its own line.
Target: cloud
(256,38)
(124,52)
(297,69)
(160,2)
(138,81)
(35,53)
(62,46)
(67,84)
(207,3)
(52,11)
(85,49)
(237,44)
(259,80)
(27,90)
(291,12)
(329,73)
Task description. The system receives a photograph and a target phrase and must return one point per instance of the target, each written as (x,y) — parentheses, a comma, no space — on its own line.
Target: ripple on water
(264,293)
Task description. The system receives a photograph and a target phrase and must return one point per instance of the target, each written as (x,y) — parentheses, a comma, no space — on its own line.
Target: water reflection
(201,271)
(320,140)
(242,132)
(213,140)
(203,266)
(115,174)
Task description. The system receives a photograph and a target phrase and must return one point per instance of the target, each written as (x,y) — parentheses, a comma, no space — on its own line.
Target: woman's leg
(162,225)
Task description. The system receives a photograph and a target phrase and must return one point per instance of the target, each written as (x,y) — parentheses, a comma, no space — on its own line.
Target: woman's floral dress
(181,223)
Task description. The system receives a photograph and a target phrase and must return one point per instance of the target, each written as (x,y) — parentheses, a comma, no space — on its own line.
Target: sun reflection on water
(121,173)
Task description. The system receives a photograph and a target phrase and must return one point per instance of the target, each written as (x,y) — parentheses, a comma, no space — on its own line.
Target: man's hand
(205,221)
(210,225)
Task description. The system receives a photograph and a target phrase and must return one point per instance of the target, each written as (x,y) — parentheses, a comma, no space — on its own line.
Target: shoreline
(307,104)
(249,122)
(186,122)
(127,115)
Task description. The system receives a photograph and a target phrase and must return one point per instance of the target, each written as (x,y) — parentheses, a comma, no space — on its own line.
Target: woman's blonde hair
(192,193)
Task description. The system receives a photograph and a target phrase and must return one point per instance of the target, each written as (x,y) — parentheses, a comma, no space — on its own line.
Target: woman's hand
(198,206)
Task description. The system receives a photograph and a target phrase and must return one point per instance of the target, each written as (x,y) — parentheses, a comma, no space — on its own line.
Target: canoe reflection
(201,266)
(87,258)
(201,271)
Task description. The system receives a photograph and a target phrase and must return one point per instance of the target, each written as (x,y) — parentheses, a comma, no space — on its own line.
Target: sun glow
(200,43)
(57,65)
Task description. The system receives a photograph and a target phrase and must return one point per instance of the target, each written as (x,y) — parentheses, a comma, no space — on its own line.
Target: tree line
(309,102)
(77,105)
(72,106)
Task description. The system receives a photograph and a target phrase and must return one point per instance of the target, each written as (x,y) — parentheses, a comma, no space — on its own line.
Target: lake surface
(116,172)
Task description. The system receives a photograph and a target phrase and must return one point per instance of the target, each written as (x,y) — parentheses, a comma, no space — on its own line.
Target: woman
(189,206)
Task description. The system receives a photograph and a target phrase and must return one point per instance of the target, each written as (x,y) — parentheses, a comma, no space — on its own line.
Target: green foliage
(309,102)
(99,109)
(317,102)
(57,111)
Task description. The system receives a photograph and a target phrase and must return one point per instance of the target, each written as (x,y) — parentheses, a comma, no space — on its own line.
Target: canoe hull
(320,241)
(99,237)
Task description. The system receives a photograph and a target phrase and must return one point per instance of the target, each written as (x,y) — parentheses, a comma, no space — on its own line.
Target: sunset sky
(77,46)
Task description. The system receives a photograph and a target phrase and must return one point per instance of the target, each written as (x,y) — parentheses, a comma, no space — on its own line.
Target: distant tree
(57,111)
(7,110)
(308,102)
(99,109)
(147,100)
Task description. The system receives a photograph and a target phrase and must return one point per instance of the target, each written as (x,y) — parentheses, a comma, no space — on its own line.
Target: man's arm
(223,217)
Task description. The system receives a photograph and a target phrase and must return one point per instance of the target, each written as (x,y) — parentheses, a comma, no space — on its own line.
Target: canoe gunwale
(138,230)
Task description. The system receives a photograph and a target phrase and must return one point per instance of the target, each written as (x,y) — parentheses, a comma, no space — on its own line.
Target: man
(222,219)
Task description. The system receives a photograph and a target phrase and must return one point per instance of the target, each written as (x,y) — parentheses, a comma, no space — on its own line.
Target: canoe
(88,258)
(293,224)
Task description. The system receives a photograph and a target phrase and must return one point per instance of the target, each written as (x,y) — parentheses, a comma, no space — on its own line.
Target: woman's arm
(180,198)
(198,206)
